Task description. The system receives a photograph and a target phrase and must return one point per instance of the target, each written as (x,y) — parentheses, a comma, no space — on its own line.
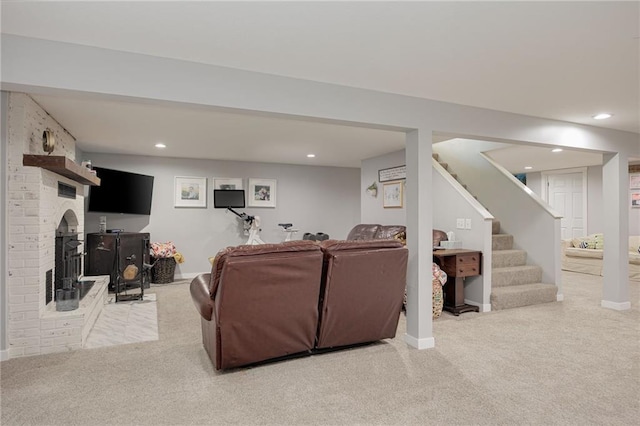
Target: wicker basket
(163,270)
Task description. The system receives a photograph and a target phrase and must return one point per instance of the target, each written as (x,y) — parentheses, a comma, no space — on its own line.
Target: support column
(4,299)
(615,197)
(419,239)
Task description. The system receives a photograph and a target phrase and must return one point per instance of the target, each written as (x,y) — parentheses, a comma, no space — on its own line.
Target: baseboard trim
(616,305)
(484,307)
(424,343)
(4,355)
(559,297)
(187,276)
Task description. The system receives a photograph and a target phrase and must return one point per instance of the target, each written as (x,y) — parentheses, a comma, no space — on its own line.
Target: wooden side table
(458,264)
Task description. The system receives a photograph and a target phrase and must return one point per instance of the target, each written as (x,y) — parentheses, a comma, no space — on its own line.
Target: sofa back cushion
(363,289)
(266,301)
(363,231)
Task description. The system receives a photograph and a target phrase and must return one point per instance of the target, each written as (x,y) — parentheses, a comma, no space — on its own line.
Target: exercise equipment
(253,223)
(287,227)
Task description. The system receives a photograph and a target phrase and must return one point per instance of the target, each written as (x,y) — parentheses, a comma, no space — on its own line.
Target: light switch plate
(460,223)
(467,224)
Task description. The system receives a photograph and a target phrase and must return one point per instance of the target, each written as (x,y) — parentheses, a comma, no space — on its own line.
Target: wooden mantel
(63,166)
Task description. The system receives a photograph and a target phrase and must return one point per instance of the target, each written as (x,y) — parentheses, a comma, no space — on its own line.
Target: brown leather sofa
(362,291)
(264,302)
(259,302)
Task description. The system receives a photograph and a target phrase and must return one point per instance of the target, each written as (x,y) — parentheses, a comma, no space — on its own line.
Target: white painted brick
(31,298)
(56,332)
(64,340)
(67,323)
(16,282)
(16,263)
(30,281)
(17,316)
(32,350)
(18,334)
(27,341)
(16,352)
(31,229)
(47,325)
(34,314)
(24,307)
(46,342)
(21,325)
(16,299)
(32,263)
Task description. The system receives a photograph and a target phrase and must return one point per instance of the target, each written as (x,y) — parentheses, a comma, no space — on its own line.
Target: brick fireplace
(37,215)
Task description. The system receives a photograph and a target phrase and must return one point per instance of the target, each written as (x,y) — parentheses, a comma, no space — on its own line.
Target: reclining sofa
(273,301)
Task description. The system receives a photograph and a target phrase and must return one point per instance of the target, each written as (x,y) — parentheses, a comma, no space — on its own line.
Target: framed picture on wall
(227,183)
(635,199)
(190,192)
(261,193)
(392,195)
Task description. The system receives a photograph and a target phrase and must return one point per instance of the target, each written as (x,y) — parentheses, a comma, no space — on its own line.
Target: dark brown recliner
(259,302)
(363,289)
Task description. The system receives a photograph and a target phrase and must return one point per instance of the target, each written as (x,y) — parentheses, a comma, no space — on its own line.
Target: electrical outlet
(467,224)
(460,223)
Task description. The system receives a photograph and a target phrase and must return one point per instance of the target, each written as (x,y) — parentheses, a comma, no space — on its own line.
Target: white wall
(314,199)
(452,201)
(372,210)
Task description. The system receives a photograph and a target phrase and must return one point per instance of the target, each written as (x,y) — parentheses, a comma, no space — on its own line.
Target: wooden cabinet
(458,264)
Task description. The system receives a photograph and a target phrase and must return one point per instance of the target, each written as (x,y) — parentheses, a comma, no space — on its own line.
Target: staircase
(514,283)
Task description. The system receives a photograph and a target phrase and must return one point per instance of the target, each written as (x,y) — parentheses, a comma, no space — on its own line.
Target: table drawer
(462,265)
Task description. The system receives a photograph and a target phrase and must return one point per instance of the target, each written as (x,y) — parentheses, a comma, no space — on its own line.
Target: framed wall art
(392,195)
(261,193)
(227,183)
(190,192)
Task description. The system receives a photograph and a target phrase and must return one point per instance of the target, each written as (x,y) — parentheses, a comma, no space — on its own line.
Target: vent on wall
(49,286)
(66,191)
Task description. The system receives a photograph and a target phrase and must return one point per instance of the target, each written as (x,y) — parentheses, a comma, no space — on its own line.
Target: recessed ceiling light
(556,150)
(602,116)
(528,167)
(311,155)
(160,145)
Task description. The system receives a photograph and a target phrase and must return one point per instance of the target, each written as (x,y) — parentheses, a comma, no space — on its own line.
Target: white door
(567,195)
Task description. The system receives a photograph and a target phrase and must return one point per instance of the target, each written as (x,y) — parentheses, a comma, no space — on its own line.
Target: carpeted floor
(568,363)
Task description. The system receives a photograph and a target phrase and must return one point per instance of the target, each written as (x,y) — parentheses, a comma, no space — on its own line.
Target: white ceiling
(559,60)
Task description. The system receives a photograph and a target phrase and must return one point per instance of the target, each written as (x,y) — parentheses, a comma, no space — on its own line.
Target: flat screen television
(121,192)
(225,198)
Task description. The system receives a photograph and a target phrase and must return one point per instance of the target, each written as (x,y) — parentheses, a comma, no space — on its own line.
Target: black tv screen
(225,198)
(121,192)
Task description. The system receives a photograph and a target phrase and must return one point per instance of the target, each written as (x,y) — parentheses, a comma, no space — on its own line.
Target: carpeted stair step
(504,258)
(501,242)
(435,156)
(495,226)
(444,165)
(515,275)
(522,295)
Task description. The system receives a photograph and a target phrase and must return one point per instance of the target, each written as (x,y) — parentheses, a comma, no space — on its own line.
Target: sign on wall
(392,173)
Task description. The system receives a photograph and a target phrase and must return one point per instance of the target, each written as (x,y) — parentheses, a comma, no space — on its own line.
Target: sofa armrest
(200,295)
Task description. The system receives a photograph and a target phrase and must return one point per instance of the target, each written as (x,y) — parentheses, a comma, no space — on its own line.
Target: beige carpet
(569,363)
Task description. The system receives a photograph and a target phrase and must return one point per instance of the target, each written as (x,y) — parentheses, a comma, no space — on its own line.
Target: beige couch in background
(589,260)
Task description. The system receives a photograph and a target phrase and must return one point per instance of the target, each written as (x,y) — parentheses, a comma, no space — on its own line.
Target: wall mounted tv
(228,198)
(121,192)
